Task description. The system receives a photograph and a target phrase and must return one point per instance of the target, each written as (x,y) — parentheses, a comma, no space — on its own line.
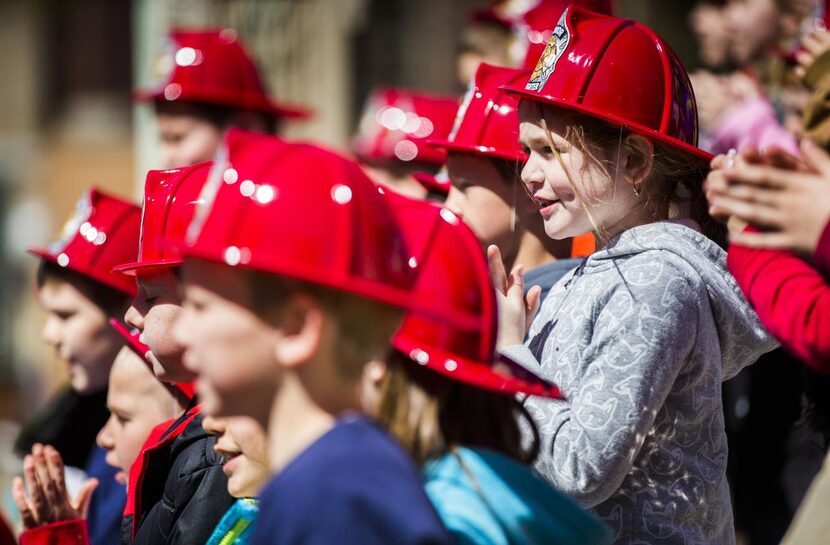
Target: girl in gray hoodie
(640,336)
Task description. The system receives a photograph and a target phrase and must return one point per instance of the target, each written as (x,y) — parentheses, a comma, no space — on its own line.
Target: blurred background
(68,121)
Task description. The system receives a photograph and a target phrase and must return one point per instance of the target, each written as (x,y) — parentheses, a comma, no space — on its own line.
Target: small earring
(636,189)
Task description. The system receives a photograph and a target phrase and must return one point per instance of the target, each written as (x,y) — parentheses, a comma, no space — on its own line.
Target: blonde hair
(672,190)
(430,414)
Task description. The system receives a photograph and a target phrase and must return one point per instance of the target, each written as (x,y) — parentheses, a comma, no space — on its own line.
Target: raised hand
(516,310)
(47,500)
(790,207)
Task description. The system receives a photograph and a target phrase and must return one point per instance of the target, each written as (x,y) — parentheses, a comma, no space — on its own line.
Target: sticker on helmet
(462,109)
(83,210)
(553,51)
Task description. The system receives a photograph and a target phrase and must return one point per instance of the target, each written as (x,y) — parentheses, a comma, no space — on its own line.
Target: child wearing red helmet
(80,293)
(452,403)
(137,402)
(391,140)
(209,82)
(641,335)
(292,284)
(483,163)
(178,490)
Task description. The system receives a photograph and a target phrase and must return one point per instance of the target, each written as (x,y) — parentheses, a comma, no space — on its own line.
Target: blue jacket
(485,498)
(354,485)
(107,505)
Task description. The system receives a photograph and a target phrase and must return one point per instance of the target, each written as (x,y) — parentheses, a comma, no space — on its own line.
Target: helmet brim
(504,377)
(485,151)
(138,268)
(703,158)
(279,110)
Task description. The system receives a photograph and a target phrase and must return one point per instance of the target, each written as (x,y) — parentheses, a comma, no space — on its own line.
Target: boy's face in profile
(186,139)
(230,348)
(155,309)
(79,332)
(137,402)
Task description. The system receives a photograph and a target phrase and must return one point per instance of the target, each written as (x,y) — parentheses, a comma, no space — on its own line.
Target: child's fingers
(516,282)
(532,303)
(57,484)
(84,497)
(37,499)
(54,465)
(497,272)
(22,502)
(47,485)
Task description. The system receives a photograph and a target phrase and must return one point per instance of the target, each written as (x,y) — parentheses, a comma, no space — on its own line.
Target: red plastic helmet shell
(102,232)
(487,122)
(621,72)
(299,211)
(170,200)
(454,282)
(436,184)
(211,66)
(396,124)
(535,27)
(183,391)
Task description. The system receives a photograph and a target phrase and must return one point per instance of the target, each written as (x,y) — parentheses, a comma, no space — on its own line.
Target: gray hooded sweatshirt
(639,338)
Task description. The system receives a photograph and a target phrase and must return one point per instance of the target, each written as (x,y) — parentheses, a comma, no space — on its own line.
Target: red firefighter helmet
(102,232)
(396,124)
(170,200)
(183,391)
(486,122)
(454,282)
(300,211)
(618,71)
(534,28)
(211,66)
(437,185)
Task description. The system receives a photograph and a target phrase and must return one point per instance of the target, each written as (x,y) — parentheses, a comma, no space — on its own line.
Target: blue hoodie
(485,498)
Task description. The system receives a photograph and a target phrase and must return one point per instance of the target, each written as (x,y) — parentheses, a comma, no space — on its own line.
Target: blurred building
(67,120)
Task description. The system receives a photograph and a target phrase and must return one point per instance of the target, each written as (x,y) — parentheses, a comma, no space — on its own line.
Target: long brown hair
(430,414)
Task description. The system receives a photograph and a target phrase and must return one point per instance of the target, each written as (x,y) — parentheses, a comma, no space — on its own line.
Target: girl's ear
(300,332)
(638,159)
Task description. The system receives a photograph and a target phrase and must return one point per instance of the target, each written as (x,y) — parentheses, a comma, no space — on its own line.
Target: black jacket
(179,492)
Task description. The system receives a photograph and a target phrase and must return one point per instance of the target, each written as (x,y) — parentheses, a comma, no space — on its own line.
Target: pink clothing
(751,122)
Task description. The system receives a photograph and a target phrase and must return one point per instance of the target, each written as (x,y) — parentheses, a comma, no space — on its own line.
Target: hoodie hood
(486,497)
(741,336)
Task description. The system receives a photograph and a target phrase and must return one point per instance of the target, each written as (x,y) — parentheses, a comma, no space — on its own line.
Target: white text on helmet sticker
(553,50)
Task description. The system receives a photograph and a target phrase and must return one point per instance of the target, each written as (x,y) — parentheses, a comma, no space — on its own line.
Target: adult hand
(813,46)
(516,310)
(48,500)
(716,182)
(790,207)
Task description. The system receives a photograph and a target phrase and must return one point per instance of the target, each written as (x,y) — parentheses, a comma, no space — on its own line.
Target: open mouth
(227,456)
(545,205)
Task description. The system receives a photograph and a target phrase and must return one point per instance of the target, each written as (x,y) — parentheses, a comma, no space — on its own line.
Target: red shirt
(791,296)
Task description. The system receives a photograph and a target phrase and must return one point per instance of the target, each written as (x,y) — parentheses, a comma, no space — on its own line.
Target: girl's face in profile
(574,192)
